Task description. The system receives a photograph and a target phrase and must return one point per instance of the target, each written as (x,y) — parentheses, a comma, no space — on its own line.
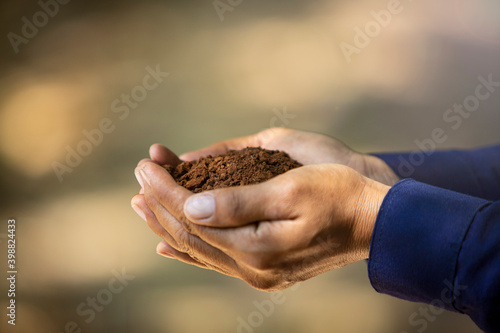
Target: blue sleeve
(475,172)
(439,247)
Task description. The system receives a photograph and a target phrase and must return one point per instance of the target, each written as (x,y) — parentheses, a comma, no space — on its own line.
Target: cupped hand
(271,235)
(305,147)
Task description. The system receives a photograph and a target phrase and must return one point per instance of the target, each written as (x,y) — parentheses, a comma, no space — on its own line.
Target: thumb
(238,206)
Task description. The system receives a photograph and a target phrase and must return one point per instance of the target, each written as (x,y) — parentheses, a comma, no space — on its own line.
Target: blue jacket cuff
(416,242)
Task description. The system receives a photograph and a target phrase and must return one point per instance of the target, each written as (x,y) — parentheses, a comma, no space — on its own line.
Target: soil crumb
(251,165)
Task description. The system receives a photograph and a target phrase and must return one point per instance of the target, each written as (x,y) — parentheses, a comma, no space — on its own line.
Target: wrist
(376,169)
(367,210)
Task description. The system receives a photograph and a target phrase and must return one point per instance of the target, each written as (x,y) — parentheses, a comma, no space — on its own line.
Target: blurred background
(233,69)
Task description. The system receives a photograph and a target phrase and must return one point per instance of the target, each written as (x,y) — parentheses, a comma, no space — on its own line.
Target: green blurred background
(227,78)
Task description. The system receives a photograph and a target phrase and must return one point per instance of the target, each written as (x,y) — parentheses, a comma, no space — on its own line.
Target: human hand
(271,235)
(305,147)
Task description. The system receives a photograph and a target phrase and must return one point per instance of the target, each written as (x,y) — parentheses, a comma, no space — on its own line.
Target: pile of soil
(235,168)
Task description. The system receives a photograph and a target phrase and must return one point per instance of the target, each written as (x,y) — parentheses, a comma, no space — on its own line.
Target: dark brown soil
(235,168)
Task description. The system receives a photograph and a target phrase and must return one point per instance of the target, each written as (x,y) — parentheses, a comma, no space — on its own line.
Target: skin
(272,235)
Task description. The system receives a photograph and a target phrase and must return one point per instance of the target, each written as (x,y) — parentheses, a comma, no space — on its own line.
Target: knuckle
(268,131)
(264,238)
(188,227)
(267,273)
(263,263)
(263,283)
(278,130)
(265,136)
(190,252)
(149,198)
(182,239)
(290,189)
(231,207)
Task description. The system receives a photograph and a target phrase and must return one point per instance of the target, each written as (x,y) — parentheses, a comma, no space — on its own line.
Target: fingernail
(139,212)
(166,255)
(144,176)
(162,249)
(139,178)
(200,207)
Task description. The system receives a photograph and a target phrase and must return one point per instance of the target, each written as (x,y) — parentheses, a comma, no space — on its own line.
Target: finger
(241,205)
(140,206)
(142,209)
(188,243)
(199,250)
(164,249)
(162,155)
(144,160)
(222,147)
(138,176)
(165,189)
(164,225)
(137,204)
(249,239)
(251,242)
(169,245)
